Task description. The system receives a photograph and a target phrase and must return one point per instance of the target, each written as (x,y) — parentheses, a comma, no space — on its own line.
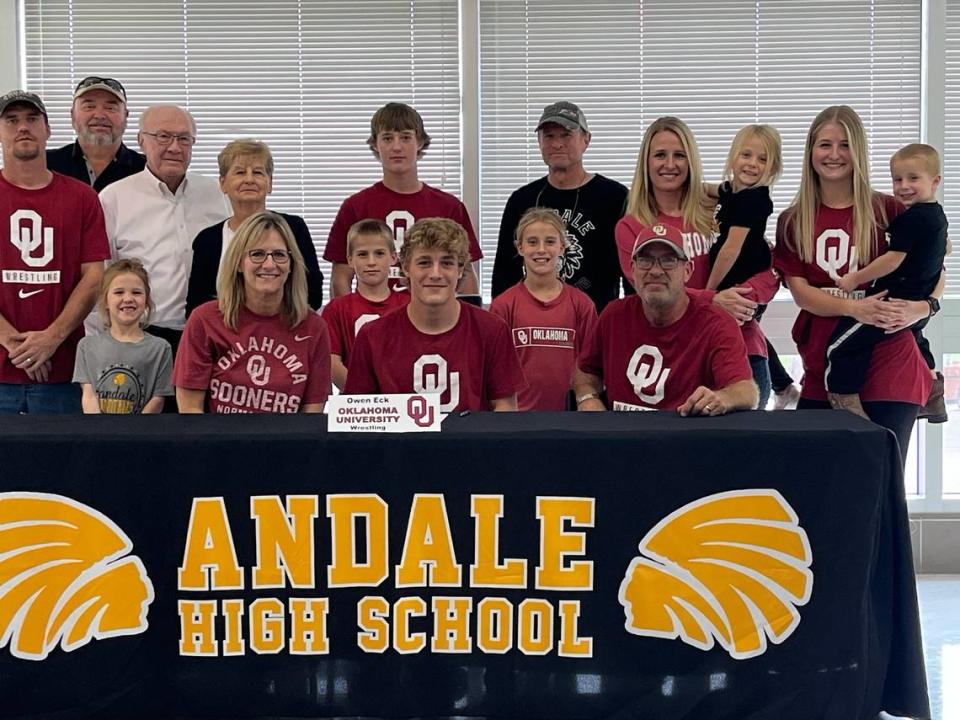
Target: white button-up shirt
(148,222)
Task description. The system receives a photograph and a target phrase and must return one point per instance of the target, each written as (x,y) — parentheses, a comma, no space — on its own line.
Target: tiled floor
(940,618)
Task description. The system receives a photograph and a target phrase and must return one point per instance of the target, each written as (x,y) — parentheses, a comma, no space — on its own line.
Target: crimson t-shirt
(657,368)
(897,371)
(548,337)
(399,211)
(261,367)
(47,235)
(346,314)
(764,285)
(470,365)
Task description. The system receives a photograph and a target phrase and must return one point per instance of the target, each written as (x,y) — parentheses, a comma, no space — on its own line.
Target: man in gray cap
(99,116)
(589,204)
(51,263)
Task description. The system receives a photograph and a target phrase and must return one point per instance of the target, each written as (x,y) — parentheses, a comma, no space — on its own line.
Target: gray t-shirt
(124,375)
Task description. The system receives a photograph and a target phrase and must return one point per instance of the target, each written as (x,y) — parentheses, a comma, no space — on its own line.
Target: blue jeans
(761,376)
(40,399)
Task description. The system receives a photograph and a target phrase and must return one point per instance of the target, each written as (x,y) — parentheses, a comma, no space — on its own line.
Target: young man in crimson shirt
(437,344)
(665,348)
(51,265)
(398,140)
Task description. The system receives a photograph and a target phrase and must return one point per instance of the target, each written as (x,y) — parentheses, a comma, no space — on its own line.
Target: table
(529,529)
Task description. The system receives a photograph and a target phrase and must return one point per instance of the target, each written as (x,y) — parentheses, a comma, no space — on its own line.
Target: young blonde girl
(123,370)
(549,319)
(753,165)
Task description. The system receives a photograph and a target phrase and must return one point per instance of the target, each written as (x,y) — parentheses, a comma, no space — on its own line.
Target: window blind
(303,76)
(716,65)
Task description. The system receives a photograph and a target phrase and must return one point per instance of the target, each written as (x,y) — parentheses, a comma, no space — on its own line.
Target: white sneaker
(786,399)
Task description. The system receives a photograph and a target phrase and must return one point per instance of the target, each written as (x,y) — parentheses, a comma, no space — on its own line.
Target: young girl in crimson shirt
(836,226)
(549,320)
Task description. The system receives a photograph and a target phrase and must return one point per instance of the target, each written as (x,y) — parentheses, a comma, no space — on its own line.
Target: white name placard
(384,413)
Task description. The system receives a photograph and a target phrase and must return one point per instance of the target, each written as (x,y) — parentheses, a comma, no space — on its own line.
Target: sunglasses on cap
(94,80)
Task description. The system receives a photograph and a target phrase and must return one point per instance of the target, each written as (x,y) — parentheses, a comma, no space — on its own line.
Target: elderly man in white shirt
(155,214)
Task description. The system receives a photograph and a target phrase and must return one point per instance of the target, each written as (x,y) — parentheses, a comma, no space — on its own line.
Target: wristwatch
(588,396)
(934,306)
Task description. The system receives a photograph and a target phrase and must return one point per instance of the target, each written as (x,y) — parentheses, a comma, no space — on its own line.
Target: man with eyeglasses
(51,264)
(99,115)
(666,348)
(155,214)
(589,204)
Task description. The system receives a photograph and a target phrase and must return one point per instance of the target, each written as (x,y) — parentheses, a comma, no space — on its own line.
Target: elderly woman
(668,190)
(258,348)
(246,178)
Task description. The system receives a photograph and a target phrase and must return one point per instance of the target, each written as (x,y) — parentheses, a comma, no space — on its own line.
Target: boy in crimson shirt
(51,263)
(398,140)
(371,254)
(665,348)
(437,344)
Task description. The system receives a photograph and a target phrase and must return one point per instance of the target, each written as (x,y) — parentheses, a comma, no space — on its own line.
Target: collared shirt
(147,221)
(70,161)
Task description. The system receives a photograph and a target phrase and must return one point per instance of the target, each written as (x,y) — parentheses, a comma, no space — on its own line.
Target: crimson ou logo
(420,411)
(834,251)
(647,375)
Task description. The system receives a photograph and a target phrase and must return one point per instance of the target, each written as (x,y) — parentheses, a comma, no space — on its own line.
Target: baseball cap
(566,114)
(22,96)
(94,82)
(663,234)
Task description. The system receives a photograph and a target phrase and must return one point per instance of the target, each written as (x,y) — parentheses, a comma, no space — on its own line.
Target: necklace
(560,211)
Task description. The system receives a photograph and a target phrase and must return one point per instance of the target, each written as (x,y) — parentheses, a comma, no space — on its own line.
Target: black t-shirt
(749,208)
(591,213)
(920,232)
(68,160)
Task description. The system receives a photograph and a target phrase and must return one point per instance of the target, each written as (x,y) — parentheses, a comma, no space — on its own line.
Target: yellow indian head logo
(730,568)
(66,576)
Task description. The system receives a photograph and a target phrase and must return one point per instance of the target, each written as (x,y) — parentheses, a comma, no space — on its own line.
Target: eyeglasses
(165,138)
(667,262)
(94,80)
(259,257)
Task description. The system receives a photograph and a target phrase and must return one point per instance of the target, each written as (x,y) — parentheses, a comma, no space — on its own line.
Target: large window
(718,66)
(304,76)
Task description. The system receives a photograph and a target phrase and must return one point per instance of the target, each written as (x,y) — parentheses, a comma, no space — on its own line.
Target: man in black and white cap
(589,203)
(99,116)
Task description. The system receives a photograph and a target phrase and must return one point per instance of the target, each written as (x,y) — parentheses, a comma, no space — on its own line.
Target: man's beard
(31,153)
(89,137)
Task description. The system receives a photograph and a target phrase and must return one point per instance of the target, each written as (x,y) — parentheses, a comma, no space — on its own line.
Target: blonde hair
(244,147)
(868,209)
(370,226)
(770,140)
(231,287)
(123,267)
(926,154)
(695,206)
(544,215)
(436,234)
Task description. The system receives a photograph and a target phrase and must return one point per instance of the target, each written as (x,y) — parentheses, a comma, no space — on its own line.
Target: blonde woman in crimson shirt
(835,226)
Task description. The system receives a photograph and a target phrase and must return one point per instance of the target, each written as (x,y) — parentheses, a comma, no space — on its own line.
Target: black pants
(897,417)
(779,377)
(850,349)
(173,337)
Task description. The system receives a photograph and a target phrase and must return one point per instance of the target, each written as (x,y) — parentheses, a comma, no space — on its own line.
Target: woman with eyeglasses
(246,178)
(257,348)
(668,189)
